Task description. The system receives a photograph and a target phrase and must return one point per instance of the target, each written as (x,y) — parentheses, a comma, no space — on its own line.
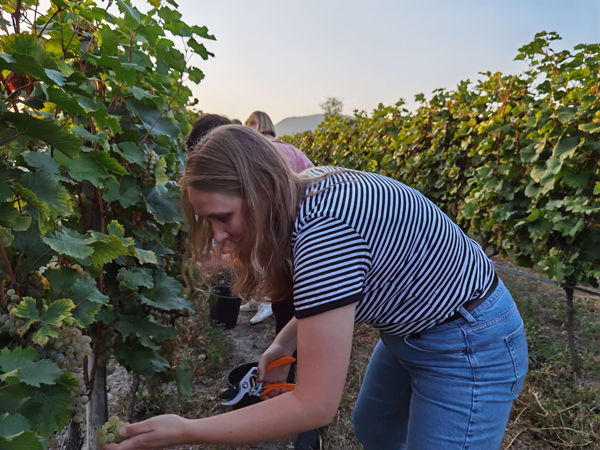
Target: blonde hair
(238,161)
(262,123)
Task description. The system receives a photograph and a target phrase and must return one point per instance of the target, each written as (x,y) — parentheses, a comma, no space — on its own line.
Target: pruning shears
(249,384)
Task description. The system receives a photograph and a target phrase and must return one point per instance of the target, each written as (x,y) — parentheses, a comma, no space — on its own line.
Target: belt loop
(467,315)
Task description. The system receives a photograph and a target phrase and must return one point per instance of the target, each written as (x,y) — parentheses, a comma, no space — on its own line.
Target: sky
(286,57)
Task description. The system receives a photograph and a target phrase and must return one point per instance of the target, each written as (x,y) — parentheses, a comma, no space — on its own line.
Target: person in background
(284,311)
(262,123)
(236,121)
(203,125)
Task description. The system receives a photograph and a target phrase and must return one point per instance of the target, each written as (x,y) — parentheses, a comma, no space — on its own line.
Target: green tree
(332,106)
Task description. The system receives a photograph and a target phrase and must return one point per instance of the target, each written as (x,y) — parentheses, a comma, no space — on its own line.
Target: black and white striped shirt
(371,240)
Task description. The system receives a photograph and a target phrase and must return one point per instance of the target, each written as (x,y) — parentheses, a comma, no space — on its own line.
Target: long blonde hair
(262,123)
(238,161)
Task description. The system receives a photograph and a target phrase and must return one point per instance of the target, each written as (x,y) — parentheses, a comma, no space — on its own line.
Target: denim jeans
(450,388)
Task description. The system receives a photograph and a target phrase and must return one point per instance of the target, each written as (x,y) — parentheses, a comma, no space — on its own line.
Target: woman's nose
(220,235)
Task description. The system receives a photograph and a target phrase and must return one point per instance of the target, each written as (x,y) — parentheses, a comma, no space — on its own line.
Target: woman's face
(224,212)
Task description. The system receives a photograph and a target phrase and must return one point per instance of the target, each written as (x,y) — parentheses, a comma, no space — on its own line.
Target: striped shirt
(371,240)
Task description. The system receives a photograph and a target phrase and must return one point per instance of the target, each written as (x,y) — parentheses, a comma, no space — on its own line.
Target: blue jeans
(450,388)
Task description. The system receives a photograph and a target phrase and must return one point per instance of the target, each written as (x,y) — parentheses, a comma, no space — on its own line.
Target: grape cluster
(151,159)
(6,237)
(9,325)
(35,284)
(107,340)
(122,284)
(109,432)
(79,269)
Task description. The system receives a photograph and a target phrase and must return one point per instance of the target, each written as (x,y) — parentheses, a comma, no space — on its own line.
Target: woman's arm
(324,346)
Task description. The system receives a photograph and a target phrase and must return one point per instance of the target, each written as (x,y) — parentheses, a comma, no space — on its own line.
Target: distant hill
(293,125)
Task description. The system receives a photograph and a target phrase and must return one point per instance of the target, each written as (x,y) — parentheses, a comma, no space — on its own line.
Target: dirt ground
(246,342)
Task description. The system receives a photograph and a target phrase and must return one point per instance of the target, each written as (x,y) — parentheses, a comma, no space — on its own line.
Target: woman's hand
(157,432)
(276,375)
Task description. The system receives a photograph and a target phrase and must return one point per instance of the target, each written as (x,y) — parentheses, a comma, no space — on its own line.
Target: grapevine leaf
(107,248)
(12,424)
(142,360)
(137,276)
(164,205)
(147,331)
(52,315)
(199,48)
(185,381)
(115,229)
(41,211)
(100,137)
(86,312)
(41,161)
(127,193)
(84,167)
(70,243)
(145,256)
(165,296)
(48,190)
(27,440)
(85,289)
(132,153)
(30,372)
(161,178)
(590,127)
(62,278)
(48,408)
(565,148)
(140,94)
(46,131)
(26,309)
(36,252)
(153,119)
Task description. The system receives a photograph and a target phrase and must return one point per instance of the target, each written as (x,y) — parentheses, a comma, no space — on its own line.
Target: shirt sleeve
(331,261)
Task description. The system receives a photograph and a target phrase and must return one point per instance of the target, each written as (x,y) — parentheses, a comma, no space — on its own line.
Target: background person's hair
(262,123)
(238,161)
(203,125)
(236,121)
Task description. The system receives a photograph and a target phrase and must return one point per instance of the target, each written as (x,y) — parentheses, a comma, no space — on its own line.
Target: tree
(332,106)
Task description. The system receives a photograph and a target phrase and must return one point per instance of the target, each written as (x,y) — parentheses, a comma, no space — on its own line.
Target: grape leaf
(85,312)
(62,278)
(185,381)
(140,359)
(70,243)
(48,190)
(41,161)
(85,289)
(137,276)
(147,331)
(145,256)
(29,372)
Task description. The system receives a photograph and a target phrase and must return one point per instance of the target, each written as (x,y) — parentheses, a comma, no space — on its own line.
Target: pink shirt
(296,158)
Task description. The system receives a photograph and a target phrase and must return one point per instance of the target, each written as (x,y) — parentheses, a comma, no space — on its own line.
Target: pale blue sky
(285,57)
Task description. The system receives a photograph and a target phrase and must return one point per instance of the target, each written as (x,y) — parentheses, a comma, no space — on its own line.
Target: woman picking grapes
(353,247)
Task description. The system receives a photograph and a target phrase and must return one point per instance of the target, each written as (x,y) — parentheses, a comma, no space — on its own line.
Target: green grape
(109,432)
(10,292)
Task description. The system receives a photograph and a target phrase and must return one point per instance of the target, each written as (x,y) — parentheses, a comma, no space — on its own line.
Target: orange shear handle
(278,363)
(285,386)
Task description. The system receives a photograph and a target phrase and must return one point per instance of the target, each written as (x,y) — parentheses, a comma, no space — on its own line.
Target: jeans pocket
(436,345)
(517,347)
